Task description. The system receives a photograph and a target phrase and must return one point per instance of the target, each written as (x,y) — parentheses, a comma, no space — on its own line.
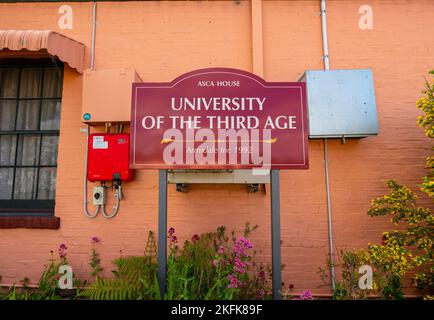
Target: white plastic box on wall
(218,176)
(341,103)
(107,95)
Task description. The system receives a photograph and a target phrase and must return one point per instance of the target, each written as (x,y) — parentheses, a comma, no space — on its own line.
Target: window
(30,101)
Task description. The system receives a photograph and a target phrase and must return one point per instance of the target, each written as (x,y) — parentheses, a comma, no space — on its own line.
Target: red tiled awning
(56,44)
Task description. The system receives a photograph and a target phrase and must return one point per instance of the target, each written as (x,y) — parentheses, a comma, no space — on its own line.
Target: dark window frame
(37,207)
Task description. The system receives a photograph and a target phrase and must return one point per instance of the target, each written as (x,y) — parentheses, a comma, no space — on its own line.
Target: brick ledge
(30,222)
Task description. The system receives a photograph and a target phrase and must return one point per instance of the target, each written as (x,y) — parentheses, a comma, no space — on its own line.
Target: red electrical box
(108,157)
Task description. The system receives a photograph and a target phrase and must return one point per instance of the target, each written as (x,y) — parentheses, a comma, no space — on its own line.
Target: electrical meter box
(108,157)
(341,103)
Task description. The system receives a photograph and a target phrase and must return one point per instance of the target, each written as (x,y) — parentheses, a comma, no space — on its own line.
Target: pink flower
(221,250)
(95,240)
(306,295)
(195,238)
(174,239)
(240,266)
(241,246)
(215,263)
(233,281)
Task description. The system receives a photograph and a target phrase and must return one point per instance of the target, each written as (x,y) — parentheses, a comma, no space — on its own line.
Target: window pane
(8,144)
(49,150)
(9,82)
(50,116)
(6,176)
(28,115)
(25,180)
(52,83)
(30,83)
(47,183)
(7,115)
(28,150)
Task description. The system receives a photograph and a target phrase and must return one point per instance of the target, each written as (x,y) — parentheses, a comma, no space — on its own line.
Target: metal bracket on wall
(181,187)
(253,188)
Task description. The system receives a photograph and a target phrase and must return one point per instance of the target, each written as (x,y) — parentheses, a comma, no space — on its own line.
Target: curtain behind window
(30,101)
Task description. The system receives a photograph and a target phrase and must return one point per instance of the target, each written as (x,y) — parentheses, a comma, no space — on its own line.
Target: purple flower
(261,294)
(221,250)
(241,246)
(233,281)
(261,276)
(240,266)
(195,238)
(171,231)
(95,240)
(62,251)
(174,239)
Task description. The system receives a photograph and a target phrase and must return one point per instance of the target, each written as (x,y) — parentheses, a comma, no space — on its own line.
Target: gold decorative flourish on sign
(272,140)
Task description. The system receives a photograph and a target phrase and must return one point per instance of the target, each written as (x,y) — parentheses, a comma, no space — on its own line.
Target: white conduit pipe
(92,58)
(85,209)
(118,197)
(326,161)
(92,64)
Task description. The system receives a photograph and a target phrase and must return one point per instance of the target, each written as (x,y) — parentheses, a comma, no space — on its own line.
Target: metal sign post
(162,231)
(275,235)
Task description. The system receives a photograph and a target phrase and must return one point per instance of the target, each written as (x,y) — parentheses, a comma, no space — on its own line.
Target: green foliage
(426,105)
(95,260)
(411,245)
(347,283)
(109,289)
(211,266)
(47,288)
(408,248)
(134,278)
(216,266)
(48,283)
(426,121)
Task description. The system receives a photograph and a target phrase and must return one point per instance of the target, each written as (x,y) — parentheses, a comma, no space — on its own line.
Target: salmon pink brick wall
(164,39)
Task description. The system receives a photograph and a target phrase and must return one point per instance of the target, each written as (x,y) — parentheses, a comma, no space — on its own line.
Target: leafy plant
(211,266)
(47,287)
(409,247)
(134,278)
(347,283)
(95,260)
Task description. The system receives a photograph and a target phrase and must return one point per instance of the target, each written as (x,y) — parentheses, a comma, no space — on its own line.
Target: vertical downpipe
(326,161)
(92,58)
(87,130)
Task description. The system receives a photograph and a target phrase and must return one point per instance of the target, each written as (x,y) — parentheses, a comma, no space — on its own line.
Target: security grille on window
(30,101)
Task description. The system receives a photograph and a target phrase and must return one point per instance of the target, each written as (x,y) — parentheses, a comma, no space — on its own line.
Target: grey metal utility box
(341,103)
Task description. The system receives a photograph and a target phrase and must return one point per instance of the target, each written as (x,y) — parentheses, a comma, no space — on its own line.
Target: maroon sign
(219,118)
